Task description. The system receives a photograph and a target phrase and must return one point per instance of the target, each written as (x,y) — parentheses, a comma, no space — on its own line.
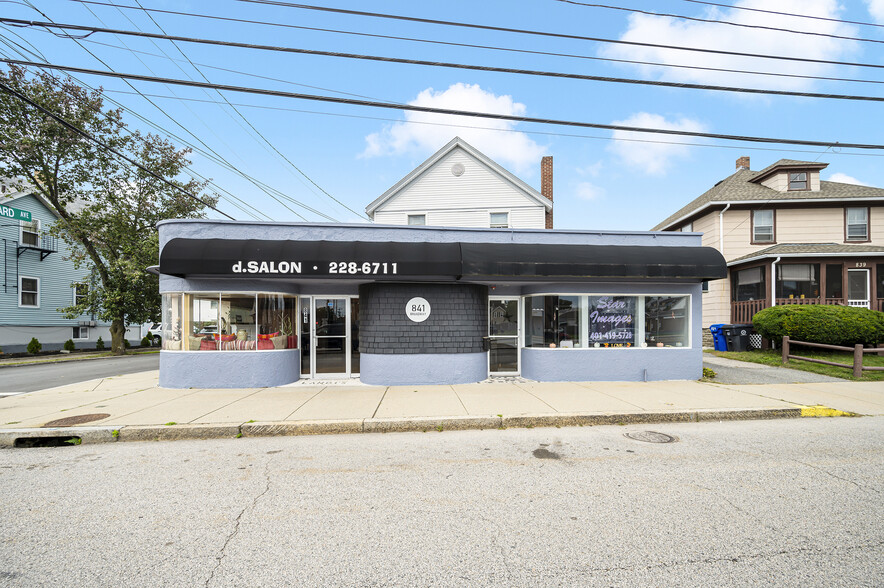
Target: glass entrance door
(330,336)
(858,287)
(503,336)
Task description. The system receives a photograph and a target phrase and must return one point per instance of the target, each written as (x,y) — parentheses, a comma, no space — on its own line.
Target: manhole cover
(76,420)
(651,437)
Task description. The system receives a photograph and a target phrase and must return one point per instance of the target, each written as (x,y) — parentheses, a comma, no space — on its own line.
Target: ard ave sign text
(14,213)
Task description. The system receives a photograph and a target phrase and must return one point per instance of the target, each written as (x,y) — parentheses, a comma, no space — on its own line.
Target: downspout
(773,281)
(721,228)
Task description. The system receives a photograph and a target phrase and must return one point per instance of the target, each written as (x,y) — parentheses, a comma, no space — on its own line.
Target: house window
(798,181)
(81,290)
(29,292)
(80,333)
(762,226)
(30,233)
(500,220)
(705,285)
(417,219)
(798,280)
(857,221)
(749,284)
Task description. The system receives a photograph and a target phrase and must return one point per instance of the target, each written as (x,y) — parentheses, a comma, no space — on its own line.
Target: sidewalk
(133,408)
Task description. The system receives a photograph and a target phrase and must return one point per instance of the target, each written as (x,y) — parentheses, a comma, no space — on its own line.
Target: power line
(723,22)
(563,75)
(551,34)
(447,111)
(866,24)
(473,46)
(251,126)
(502,130)
(104,145)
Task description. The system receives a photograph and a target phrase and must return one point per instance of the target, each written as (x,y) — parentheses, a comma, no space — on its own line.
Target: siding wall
(18,324)
(465,200)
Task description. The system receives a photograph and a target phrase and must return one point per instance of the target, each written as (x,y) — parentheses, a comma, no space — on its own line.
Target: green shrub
(34,346)
(69,345)
(126,343)
(99,344)
(145,342)
(832,325)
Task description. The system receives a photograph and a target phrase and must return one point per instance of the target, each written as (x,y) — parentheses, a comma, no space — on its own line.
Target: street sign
(14,213)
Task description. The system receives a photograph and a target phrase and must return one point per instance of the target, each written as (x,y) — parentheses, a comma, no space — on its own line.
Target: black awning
(591,261)
(311,259)
(389,260)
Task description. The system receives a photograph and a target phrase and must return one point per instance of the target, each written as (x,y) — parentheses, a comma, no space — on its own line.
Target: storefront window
(172,317)
(612,321)
(607,321)
(277,321)
(229,322)
(798,280)
(666,321)
(749,284)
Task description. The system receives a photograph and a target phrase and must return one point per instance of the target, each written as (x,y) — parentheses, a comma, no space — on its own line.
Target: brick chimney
(546,185)
(743,162)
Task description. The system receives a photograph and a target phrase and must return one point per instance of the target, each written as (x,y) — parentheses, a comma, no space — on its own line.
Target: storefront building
(266,304)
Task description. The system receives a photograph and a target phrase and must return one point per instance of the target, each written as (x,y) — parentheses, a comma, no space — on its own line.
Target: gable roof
(458,143)
(742,186)
(13,196)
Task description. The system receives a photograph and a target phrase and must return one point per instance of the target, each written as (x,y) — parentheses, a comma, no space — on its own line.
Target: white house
(459,186)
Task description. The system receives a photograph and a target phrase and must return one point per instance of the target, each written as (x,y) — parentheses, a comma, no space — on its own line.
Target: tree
(108,209)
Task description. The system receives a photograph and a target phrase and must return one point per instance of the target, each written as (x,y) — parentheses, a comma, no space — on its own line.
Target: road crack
(236,524)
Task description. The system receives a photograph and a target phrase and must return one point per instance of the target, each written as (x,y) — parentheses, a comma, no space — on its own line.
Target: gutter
(721,229)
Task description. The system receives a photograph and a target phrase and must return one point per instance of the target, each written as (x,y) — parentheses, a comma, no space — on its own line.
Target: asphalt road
(764,503)
(27,378)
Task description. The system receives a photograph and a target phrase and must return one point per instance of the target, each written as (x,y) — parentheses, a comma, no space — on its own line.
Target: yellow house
(788,238)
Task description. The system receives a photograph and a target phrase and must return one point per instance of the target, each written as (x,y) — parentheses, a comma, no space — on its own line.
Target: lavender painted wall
(417,369)
(229,369)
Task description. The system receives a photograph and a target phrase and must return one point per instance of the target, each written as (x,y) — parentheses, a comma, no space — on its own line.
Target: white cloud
(876,9)
(668,31)
(845,179)
(652,158)
(587,191)
(592,170)
(498,141)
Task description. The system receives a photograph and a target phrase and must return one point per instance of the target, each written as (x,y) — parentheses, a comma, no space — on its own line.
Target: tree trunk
(118,332)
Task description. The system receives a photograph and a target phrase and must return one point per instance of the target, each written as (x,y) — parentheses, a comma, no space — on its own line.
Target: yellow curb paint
(823,411)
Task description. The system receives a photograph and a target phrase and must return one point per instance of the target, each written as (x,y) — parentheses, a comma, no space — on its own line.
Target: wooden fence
(857,349)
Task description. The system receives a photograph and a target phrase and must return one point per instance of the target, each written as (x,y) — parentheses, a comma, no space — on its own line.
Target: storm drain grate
(76,420)
(651,437)
(32,442)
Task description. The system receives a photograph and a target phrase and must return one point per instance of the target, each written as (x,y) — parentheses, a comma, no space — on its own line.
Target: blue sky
(355,153)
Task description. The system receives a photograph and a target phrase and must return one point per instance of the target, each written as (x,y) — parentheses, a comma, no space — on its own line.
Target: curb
(109,434)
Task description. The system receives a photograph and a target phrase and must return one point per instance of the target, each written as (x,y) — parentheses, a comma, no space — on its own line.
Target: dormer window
(798,181)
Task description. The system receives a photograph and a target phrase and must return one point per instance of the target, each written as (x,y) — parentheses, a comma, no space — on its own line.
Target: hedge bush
(99,345)
(145,341)
(832,325)
(69,345)
(34,346)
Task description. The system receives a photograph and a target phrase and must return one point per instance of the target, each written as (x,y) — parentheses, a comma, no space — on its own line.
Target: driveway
(730,371)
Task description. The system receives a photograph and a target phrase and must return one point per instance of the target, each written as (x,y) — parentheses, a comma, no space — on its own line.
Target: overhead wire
(472,67)
(508,130)
(251,126)
(274,193)
(447,111)
(549,33)
(107,147)
(810,16)
(722,22)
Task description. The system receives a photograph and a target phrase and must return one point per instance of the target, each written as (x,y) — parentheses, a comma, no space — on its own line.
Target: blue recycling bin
(718,338)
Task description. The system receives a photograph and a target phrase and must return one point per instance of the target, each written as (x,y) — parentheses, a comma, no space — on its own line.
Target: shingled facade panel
(457,323)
